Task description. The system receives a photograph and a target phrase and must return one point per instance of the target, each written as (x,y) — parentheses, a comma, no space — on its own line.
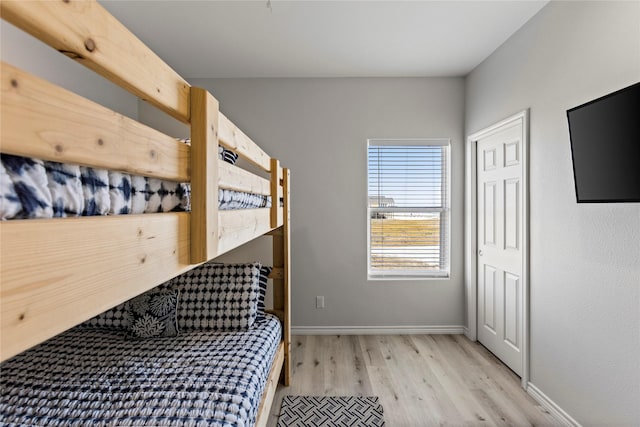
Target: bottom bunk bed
(197,350)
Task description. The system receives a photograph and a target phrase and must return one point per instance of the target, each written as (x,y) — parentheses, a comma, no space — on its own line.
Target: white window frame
(445,243)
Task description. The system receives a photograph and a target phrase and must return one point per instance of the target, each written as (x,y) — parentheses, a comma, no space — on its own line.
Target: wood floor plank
(497,413)
(453,392)
(440,404)
(336,362)
(452,373)
(507,383)
(421,380)
(362,385)
(313,367)
(371,350)
(416,401)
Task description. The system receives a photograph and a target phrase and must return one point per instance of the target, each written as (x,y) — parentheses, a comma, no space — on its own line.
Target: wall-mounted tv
(605,147)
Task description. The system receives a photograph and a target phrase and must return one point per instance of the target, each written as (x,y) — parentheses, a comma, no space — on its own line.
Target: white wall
(19,49)
(319,129)
(585,258)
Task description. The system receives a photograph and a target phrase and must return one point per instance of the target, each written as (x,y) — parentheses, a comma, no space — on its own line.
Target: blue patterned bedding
(95,377)
(32,188)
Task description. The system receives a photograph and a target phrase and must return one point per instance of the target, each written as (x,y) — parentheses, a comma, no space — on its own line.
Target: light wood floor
(422,380)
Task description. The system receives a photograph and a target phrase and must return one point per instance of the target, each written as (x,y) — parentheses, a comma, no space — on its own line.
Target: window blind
(408,206)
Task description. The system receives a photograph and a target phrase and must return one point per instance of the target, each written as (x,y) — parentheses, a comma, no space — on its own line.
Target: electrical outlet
(319,302)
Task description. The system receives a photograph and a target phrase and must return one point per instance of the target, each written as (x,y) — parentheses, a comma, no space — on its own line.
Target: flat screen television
(605,147)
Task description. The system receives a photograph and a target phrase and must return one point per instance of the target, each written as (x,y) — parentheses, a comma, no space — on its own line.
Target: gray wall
(319,129)
(29,54)
(585,258)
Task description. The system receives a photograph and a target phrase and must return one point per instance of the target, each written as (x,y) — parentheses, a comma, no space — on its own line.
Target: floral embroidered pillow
(153,314)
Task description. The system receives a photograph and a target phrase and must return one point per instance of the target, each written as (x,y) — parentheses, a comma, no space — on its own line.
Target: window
(408,208)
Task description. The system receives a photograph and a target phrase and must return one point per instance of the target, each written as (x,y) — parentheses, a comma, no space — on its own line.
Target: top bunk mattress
(32,188)
(95,377)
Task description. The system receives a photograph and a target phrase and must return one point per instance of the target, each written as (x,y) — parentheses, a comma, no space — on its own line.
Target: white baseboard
(376,330)
(551,406)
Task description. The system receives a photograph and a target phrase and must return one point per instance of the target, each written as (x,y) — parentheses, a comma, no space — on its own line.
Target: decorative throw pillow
(216,296)
(227,155)
(153,314)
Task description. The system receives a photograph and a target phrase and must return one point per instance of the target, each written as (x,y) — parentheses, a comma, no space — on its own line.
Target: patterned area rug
(331,411)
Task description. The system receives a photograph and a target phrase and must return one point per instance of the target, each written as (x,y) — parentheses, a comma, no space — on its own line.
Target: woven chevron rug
(331,411)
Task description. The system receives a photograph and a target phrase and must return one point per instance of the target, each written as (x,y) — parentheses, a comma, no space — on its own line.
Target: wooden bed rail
(112,51)
(45,121)
(42,120)
(234,139)
(55,276)
(89,34)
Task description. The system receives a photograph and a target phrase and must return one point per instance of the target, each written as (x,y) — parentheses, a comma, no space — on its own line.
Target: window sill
(405,278)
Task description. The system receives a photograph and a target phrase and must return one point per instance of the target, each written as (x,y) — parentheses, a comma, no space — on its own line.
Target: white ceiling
(323,38)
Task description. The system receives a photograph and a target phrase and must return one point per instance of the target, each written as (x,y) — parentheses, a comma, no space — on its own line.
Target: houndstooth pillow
(114,318)
(217,296)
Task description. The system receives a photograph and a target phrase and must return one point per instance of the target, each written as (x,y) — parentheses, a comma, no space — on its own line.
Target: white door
(501,216)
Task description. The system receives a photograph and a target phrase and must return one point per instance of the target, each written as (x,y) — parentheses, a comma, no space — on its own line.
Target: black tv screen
(605,147)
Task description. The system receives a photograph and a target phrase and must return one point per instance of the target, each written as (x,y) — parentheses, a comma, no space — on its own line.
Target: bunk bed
(57,273)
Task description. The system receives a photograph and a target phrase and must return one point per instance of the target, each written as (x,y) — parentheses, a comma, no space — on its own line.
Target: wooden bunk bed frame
(56,273)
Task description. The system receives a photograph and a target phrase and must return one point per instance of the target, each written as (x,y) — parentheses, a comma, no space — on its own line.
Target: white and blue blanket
(95,377)
(32,188)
